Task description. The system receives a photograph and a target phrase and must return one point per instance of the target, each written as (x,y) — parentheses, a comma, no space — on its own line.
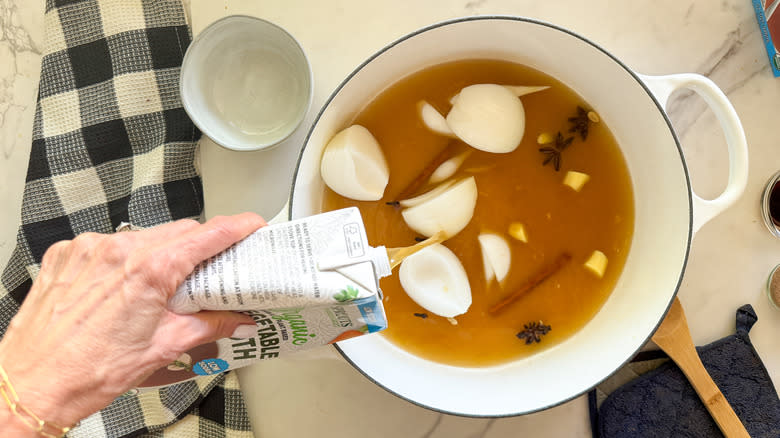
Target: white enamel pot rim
(667,211)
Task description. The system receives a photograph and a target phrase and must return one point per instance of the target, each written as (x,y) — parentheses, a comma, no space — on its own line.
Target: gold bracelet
(47,429)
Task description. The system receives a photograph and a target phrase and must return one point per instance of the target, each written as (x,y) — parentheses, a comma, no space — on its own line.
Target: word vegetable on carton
(306,283)
(769,24)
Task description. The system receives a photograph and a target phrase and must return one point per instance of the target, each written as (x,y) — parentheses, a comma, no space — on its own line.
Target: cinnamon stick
(535,280)
(422,178)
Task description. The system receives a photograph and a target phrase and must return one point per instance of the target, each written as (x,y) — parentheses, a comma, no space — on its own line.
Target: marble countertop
(729,260)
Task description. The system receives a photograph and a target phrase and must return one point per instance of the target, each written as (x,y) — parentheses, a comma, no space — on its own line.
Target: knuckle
(154,269)
(138,264)
(170,260)
(80,248)
(59,246)
(84,243)
(135,266)
(160,270)
(87,239)
(55,251)
(114,249)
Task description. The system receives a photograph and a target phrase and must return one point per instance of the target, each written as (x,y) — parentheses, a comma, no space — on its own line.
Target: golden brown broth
(512,187)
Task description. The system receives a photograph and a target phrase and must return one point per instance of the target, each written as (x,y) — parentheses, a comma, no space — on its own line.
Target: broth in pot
(562,202)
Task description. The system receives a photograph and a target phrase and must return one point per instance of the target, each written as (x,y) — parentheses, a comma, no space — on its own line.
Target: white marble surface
(21,42)
(318,394)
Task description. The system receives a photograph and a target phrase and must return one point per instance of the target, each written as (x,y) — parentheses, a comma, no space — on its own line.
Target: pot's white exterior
(667,211)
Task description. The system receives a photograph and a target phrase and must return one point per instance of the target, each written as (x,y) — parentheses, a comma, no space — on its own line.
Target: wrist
(11,425)
(24,412)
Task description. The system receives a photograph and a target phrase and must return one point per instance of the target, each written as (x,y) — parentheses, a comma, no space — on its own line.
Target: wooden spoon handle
(720,409)
(674,338)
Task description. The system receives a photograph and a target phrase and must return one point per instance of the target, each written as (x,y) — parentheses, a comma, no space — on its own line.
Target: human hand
(96,323)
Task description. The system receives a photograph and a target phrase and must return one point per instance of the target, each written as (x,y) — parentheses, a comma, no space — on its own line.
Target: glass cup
(246,83)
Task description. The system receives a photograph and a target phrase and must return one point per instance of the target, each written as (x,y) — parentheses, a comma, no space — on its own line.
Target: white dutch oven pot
(668,212)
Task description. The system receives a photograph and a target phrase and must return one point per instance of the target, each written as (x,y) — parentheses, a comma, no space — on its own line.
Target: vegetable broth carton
(306,283)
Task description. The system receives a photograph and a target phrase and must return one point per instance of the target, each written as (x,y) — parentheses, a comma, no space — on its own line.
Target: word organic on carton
(306,283)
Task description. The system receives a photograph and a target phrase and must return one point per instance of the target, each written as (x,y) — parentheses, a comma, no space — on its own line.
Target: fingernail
(244,331)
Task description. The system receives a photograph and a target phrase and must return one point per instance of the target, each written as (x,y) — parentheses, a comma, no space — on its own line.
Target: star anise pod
(533,332)
(562,143)
(580,122)
(552,154)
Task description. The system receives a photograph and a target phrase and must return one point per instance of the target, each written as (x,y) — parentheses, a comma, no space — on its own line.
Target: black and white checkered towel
(112,143)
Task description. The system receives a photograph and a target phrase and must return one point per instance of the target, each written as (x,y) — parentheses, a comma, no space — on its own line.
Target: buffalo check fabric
(111,144)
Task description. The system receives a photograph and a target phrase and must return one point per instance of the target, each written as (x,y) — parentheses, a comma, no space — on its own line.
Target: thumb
(208,326)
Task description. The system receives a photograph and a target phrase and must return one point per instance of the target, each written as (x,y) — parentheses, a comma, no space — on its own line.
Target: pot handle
(662,87)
